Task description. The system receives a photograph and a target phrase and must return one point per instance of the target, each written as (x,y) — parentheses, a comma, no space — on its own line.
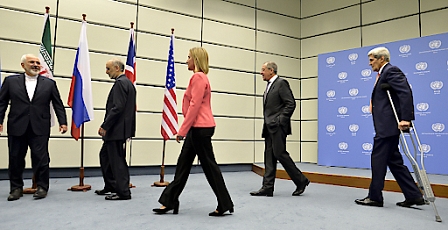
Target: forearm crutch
(420,174)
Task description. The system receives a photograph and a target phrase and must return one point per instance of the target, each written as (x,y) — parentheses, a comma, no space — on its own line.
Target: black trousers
(40,159)
(385,154)
(198,142)
(275,149)
(114,167)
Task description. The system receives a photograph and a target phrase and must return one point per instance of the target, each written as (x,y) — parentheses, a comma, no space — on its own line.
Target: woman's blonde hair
(200,58)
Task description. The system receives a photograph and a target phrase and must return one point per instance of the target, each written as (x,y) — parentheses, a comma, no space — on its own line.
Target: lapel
(271,89)
(38,85)
(379,79)
(22,87)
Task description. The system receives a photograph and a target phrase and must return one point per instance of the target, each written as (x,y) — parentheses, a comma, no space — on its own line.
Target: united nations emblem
(365,109)
(366,72)
(421,66)
(435,44)
(353,56)
(342,110)
(436,85)
(405,49)
(353,128)
(353,92)
(425,148)
(422,107)
(331,128)
(342,75)
(438,127)
(343,145)
(367,146)
(331,60)
(331,93)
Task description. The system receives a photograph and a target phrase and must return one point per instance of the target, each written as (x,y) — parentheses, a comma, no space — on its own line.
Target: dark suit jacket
(278,107)
(383,117)
(36,112)
(119,121)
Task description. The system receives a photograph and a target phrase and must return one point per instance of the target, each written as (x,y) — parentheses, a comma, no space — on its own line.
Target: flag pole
(162,182)
(133,80)
(33,188)
(81,187)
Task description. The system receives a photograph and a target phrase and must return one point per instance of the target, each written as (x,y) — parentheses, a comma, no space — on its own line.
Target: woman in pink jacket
(198,128)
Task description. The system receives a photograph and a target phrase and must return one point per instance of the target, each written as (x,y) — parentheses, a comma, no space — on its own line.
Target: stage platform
(352,177)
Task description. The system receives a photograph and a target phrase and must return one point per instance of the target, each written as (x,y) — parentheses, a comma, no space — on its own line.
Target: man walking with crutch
(385,146)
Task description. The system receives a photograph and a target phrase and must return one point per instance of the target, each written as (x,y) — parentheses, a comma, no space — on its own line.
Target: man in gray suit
(29,95)
(118,125)
(278,107)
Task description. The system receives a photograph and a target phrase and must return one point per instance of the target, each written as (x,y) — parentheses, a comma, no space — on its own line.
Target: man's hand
(62,129)
(404,125)
(101,132)
(1,129)
(179,138)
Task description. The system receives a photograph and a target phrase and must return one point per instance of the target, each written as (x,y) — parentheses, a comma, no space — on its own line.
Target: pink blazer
(196,106)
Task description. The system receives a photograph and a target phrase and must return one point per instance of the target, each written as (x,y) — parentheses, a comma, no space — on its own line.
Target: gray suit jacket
(278,107)
(119,121)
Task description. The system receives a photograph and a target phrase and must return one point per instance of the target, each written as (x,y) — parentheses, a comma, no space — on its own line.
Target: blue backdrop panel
(345,135)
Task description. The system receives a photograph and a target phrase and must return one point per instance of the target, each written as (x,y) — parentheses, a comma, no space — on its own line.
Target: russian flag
(80,96)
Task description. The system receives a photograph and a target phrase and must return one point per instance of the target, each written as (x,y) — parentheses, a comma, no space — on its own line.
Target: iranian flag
(46,57)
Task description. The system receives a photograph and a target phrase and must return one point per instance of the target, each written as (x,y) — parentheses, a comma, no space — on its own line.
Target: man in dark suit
(278,107)
(118,125)
(29,116)
(385,146)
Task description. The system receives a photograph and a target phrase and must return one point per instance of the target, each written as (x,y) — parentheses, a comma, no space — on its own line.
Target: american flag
(130,71)
(169,115)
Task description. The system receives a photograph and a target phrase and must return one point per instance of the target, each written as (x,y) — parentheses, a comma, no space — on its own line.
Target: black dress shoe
(15,194)
(166,209)
(40,193)
(263,192)
(220,213)
(117,197)
(301,190)
(104,192)
(408,203)
(367,201)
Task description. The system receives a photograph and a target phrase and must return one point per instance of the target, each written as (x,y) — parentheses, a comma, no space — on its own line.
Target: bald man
(118,125)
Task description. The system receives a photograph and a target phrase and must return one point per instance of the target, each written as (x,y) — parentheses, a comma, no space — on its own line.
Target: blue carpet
(320,207)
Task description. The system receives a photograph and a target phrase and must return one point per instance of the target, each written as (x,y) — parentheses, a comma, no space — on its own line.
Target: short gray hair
(379,52)
(271,65)
(23,59)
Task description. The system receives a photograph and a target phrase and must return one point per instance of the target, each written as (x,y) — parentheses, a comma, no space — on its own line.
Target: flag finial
(132,25)
(84,17)
(172,30)
(47,9)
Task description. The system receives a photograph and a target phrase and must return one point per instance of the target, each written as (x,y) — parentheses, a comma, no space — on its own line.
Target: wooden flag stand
(33,188)
(162,182)
(81,187)
(130,158)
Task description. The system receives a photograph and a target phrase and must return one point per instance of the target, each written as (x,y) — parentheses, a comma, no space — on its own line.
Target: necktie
(377,77)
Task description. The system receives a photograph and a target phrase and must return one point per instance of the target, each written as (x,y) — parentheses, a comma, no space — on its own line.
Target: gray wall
(239,36)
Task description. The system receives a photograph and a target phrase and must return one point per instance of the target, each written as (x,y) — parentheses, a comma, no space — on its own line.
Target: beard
(34,71)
